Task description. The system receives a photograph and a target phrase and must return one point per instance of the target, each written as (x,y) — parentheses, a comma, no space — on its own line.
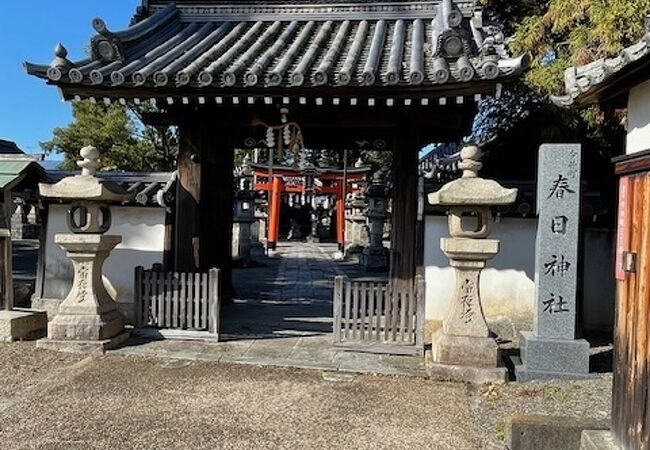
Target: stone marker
(551,350)
(539,432)
(88,318)
(598,440)
(465,339)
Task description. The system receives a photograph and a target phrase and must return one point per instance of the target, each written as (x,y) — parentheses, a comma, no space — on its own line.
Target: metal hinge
(629,262)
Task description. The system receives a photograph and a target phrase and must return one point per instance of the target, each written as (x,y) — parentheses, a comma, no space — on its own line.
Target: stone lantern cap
(86,186)
(471,190)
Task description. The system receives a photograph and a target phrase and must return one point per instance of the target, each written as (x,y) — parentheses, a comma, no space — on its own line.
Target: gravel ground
(54,401)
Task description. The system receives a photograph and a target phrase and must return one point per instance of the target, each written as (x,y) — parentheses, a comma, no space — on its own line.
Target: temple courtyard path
(55,401)
(282,316)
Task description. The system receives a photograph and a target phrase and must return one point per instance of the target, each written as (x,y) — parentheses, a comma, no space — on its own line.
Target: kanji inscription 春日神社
(557,241)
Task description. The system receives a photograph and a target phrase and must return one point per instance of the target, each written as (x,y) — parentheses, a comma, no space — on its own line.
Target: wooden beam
(70,91)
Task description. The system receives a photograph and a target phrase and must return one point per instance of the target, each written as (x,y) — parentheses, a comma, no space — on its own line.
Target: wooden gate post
(420,299)
(214,305)
(137,296)
(338,303)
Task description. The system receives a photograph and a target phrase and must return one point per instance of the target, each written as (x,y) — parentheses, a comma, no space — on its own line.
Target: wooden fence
(377,316)
(177,300)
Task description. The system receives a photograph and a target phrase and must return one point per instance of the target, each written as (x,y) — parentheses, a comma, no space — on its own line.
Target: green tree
(125,144)
(558,34)
(561,33)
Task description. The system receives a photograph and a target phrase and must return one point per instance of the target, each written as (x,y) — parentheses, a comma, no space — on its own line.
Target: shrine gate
(370,75)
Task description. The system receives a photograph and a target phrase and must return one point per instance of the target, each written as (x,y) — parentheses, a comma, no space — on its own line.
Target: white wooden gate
(177,300)
(379,317)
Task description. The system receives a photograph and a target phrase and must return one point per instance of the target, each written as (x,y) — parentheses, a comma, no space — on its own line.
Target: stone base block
(539,432)
(49,305)
(257,252)
(375,259)
(464,350)
(84,347)
(544,358)
(86,327)
(465,374)
(598,440)
(22,324)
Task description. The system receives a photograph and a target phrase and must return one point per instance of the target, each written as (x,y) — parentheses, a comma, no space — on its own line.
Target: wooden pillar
(420,227)
(274,212)
(405,205)
(188,197)
(340,220)
(204,200)
(168,248)
(217,194)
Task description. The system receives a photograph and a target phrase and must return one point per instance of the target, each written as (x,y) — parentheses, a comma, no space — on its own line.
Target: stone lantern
(356,235)
(375,256)
(244,214)
(465,339)
(88,319)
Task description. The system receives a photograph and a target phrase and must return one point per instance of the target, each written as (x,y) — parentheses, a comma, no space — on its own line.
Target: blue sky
(29,30)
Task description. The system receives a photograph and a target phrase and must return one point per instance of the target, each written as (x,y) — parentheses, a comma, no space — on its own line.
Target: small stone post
(375,256)
(88,318)
(551,350)
(465,339)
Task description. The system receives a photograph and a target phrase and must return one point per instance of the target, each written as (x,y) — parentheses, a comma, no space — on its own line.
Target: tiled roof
(151,188)
(9,147)
(249,44)
(582,83)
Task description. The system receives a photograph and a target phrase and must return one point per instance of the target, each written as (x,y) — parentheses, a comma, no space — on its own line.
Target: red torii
(335,182)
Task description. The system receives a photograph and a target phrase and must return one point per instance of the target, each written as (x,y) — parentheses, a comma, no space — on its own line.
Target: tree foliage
(125,144)
(557,34)
(561,33)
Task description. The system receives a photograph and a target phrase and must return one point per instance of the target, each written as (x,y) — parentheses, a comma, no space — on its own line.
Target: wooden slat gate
(177,300)
(378,317)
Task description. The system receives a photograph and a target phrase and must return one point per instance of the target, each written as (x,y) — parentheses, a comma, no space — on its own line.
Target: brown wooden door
(631,397)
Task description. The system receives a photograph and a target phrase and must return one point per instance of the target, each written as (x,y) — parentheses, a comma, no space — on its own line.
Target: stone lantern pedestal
(465,337)
(88,313)
(88,320)
(464,348)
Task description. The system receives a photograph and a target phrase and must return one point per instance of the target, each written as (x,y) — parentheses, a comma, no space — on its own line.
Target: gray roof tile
(205,44)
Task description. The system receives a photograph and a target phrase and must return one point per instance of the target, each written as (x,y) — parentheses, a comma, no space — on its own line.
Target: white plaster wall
(142,230)
(507,285)
(598,282)
(638,119)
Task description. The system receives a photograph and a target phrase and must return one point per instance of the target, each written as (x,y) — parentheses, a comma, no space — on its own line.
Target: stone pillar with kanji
(551,350)
(465,348)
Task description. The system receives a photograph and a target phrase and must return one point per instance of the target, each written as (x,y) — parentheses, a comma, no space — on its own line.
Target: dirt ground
(56,401)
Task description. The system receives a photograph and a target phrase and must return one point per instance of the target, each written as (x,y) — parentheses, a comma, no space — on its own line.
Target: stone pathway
(282,316)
